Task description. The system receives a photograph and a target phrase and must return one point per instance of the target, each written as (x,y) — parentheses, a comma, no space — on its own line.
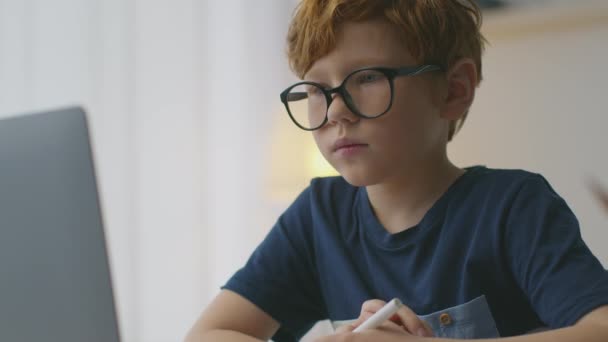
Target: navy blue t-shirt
(500,252)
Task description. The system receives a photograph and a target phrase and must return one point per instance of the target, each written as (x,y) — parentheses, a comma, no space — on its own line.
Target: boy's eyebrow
(352,65)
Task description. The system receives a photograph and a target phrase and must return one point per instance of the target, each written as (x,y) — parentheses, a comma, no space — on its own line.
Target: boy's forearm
(587,333)
(221,335)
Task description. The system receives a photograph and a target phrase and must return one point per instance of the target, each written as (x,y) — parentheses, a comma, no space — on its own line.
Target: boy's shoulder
(499,173)
(504,178)
(478,182)
(503,187)
(478,173)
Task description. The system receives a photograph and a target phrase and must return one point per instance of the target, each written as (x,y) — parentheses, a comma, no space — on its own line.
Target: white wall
(206,78)
(181,95)
(72,51)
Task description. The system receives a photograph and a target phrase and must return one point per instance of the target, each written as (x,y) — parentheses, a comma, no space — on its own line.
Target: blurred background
(196,157)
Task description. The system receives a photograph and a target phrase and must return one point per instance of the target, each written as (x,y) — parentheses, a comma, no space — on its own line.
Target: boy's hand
(387,332)
(405,323)
(404,318)
(600,193)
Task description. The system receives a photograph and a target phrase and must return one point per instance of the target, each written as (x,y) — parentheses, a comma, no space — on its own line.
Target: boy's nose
(338,111)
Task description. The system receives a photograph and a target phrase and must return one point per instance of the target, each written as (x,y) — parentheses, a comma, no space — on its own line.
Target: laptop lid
(54,275)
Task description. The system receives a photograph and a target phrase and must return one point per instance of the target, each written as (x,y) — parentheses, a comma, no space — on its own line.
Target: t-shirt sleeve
(280,276)
(554,267)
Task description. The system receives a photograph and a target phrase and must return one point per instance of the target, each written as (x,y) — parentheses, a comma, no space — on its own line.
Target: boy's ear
(461,82)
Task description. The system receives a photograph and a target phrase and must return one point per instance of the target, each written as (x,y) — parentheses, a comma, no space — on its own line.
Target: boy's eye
(369,77)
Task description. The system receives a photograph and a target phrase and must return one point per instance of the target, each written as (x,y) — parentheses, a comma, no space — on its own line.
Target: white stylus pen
(381,315)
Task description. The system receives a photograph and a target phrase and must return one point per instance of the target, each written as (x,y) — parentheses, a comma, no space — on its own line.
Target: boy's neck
(402,203)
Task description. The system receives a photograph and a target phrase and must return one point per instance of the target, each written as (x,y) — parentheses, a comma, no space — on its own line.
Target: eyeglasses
(367,92)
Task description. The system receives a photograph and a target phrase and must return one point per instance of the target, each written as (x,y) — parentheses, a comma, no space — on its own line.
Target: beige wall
(542,106)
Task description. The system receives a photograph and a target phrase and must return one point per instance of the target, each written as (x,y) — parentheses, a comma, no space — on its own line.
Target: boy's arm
(593,327)
(232,318)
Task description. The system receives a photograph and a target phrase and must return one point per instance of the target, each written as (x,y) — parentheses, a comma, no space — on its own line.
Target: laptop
(55,281)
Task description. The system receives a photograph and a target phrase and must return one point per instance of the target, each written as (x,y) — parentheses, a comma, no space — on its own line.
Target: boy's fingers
(412,323)
(392,326)
(345,328)
(428,328)
(404,317)
(372,305)
(362,318)
(369,308)
(600,193)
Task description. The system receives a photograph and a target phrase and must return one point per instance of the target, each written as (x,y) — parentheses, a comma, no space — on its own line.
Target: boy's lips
(344,143)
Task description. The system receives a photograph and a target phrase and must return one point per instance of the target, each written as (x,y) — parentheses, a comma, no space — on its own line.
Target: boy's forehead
(359,44)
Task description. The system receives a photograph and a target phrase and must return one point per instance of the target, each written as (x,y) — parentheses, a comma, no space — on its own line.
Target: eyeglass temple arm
(419,70)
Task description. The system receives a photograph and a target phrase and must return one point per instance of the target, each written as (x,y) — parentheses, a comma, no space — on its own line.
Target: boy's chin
(357,178)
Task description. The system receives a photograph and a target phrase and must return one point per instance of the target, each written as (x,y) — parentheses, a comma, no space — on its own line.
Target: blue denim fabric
(470,320)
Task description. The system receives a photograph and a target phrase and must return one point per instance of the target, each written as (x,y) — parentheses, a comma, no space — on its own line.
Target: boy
(472,253)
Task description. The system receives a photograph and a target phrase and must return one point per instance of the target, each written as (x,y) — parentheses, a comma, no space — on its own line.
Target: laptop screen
(54,274)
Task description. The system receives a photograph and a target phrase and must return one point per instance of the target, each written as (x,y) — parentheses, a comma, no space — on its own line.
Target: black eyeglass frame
(390,74)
